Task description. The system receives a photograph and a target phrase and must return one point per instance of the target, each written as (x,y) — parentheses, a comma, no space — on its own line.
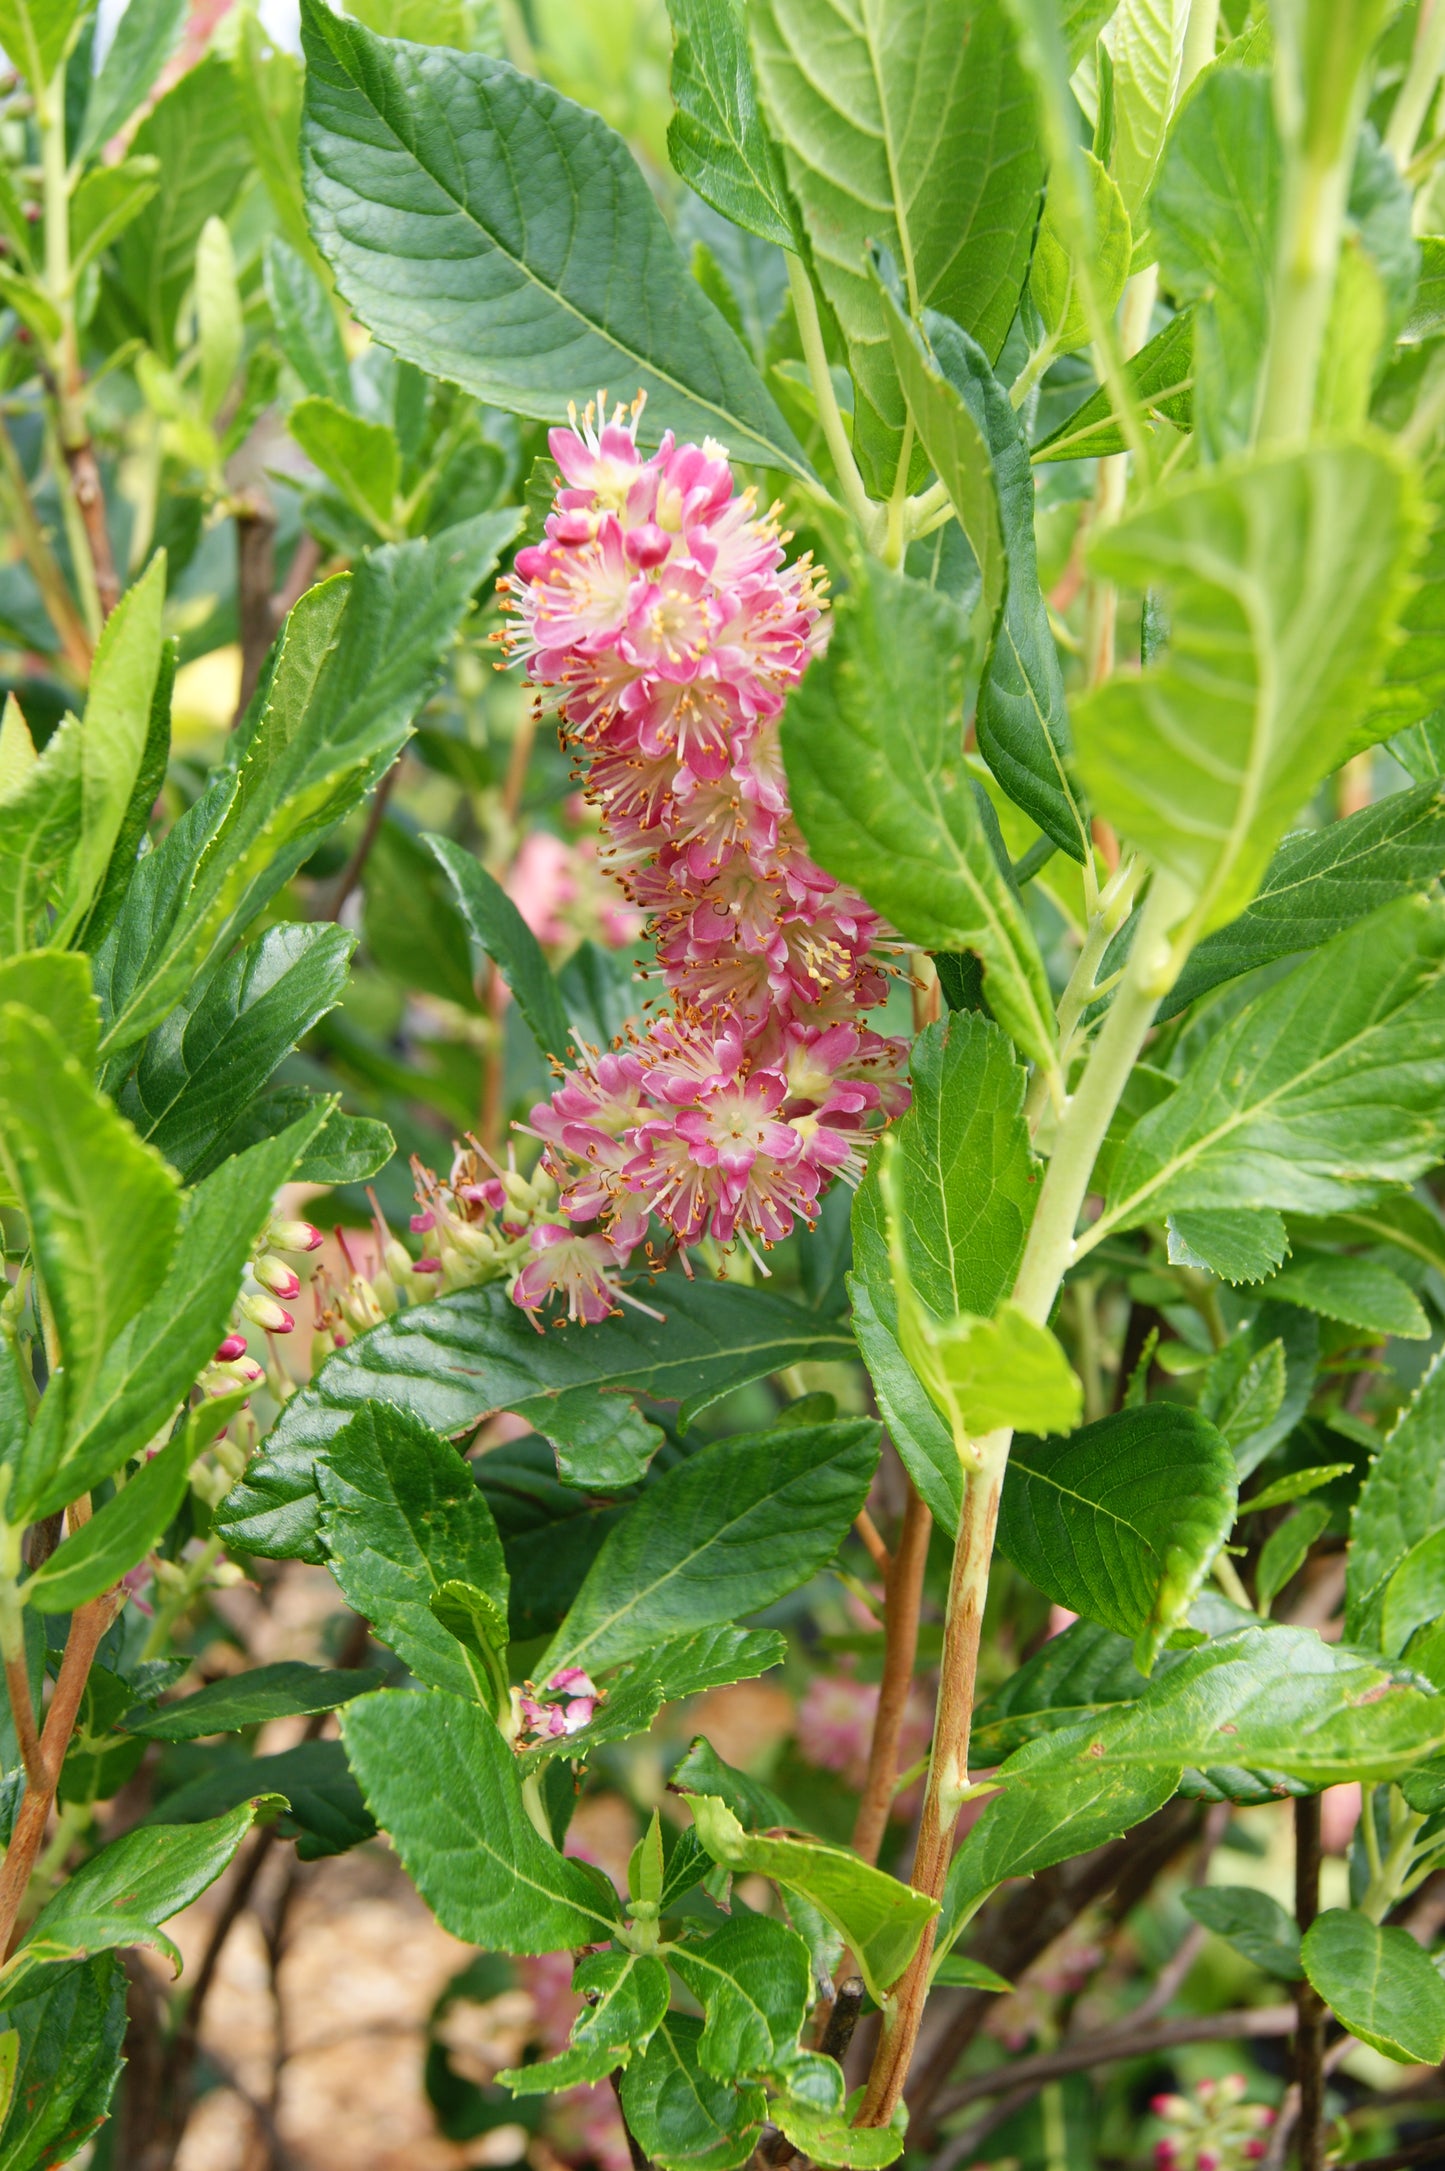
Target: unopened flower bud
(233,1347)
(227,1574)
(274,1274)
(264,1311)
(1208,2159)
(294,1236)
(360,1305)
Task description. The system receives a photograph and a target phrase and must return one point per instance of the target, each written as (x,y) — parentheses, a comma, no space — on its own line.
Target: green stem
(1051,1248)
(896,538)
(1418,88)
(40,558)
(169,1610)
(810,332)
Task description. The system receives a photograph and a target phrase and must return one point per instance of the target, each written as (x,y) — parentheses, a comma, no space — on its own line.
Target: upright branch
(1309,2042)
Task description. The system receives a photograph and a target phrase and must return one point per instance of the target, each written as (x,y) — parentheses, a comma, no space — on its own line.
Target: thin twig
(22,1711)
(89,496)
(1111,2045)
(903,1597)
(1429,2151)
(255,570)
(88,1624)
(356,865)
(640,2161)
(871,1539)
(60,605)
(300,574)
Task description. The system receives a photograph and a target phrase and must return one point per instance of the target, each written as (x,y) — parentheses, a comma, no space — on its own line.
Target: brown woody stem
(900,1650)
(87,1625)
(1309,2042)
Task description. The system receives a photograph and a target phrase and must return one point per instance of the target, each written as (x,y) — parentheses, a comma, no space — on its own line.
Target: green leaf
(964,416)
(827,2137)
(70,2033)
(442,1783)
(1029,1828)
(1294,1485)
(102,1207)
(122,1895)
(881,1919)
(873,742)
(957,1972)
(285,1690)
(966,1181)
(1052,288)
(122,1532)
(1148,52)
(411,923)
(1285,1550)
(1238,1247)
(1256,1925)
(714,1658)
(55,984)
(104,204)
(1281,580)
(357,658)
(197,132)
(916,134)
(401,1516)
(479,1624)
(1360,1292)
(326,1814)
(991,1373)
(1072,1677)
(306,326)
(1413,684)
(1121,1522)
(1162,377)
(40,817)
(145,38)
(582,2066)
(754,1982)
(152,1363)
(1401,1503)
(719,1536)
(702,1771)
(34,35)
(526,259)
(628,1995)
(1379,1983)
(220,330)
(500,932)
(200,1070)
(360,458)
(1415,1594)
(679,2116)
(1268,1698)
(716,139)
(1319,883)
(459,1360)
(1213,214)
(1315,1096)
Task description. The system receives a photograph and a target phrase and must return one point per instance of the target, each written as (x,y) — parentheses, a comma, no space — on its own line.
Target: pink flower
(835,1725)
(661,611)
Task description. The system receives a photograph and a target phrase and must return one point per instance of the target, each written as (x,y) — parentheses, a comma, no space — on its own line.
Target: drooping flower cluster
(1215,2130)
(660,610)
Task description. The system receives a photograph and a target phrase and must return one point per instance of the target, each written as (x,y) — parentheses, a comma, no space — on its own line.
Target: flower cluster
(660,610)
(1215,2131)
(550,1721)
(270,1279)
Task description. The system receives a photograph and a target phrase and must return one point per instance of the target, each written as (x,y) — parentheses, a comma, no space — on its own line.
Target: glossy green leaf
(356,659)
(285,1690)
(70,2031)
(1413,684)
(117,718)
(966,1182)
(1415,1594)
(916,134)
(122,1895)
(306,326)
(1286,1549)
(199,1071)
(582,2066)
(1295,1485)
(197,132)
(34,35)
(1268,1698)
(714,1658)
(1317,1095)
(1281,579)
(873,742)
(1256,1925)
(716,139)
(1360,1292)
(827,2137)
(154,1360)
(1379,1983)
(1074,1676)
(754,1983)
(627,1997)
(525,258)
(145,38)
(461,1359)
(1148,52)
(401,1517)
(55,984)
(719,1536)
(679,2115)
(881,1919)
(1321,882)
(411,924)
(992,1373)
(119,1535)
(442,1783)
(1121,1522)
(1028,1828)
(500,933)
(220,328)
(102,1207)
